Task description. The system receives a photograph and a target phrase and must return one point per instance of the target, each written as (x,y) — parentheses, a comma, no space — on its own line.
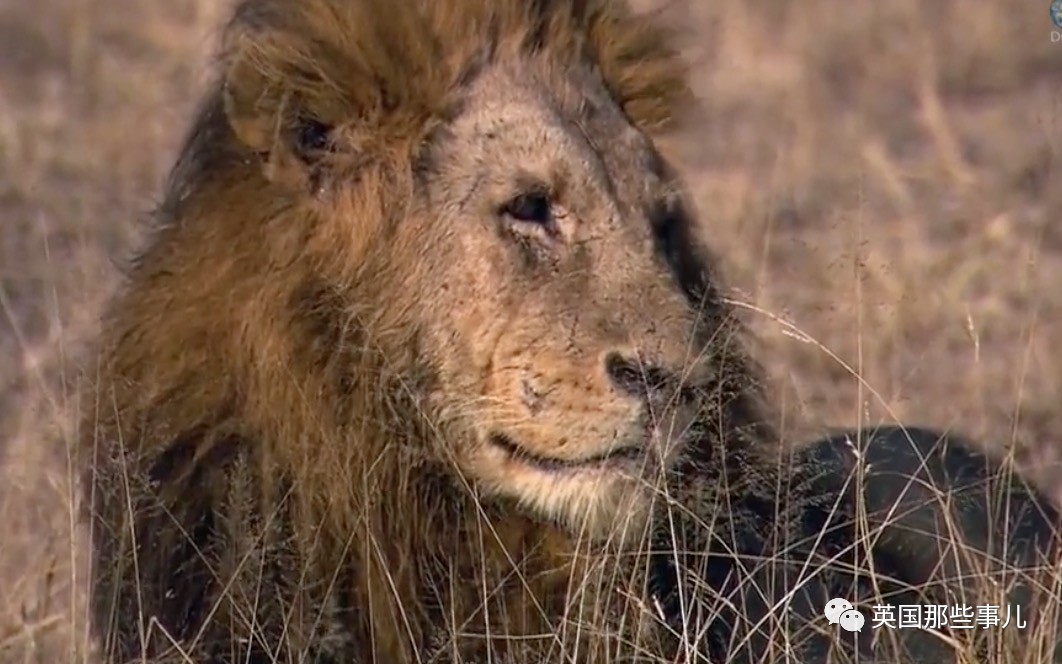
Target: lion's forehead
(582,141)
(572,100)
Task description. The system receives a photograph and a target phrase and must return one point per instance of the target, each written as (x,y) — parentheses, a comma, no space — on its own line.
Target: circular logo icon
(851,620)
(835,607)
(1056,13)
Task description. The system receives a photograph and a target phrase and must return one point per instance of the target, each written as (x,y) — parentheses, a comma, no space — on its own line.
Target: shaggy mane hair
(394,66)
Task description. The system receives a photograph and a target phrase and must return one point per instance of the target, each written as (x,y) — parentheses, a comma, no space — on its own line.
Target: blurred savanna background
(882,182)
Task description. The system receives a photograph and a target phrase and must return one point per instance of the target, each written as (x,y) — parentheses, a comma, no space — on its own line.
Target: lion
(424,360)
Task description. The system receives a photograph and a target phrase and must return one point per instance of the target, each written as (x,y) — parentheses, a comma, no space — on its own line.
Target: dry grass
(875,175)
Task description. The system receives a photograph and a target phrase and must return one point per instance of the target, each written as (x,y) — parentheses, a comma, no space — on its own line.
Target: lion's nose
(637,378)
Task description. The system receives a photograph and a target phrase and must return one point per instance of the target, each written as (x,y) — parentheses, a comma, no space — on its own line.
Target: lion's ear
(271,119)
(642,66)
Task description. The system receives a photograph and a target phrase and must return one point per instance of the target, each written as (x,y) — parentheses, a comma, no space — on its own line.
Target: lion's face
(559,290)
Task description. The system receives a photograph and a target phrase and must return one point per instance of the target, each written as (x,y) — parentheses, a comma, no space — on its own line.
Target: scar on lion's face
(574,356)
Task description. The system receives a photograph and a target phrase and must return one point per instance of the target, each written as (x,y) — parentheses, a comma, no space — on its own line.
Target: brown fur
(292,453)
(419,267)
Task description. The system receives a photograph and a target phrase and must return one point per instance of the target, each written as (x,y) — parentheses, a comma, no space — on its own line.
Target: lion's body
(418,274)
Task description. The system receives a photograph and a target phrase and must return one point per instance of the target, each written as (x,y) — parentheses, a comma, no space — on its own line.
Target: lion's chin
(607,497)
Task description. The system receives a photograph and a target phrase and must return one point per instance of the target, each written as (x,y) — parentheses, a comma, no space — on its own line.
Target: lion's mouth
(617,457)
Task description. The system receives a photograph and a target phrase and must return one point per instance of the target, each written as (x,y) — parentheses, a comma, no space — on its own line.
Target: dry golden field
(882,182)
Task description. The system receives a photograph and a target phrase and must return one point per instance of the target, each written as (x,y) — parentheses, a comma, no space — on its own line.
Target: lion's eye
(312,136)
(534,208)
